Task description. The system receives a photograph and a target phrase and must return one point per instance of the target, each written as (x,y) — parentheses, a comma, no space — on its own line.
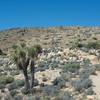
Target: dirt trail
(96,84)
(95,78)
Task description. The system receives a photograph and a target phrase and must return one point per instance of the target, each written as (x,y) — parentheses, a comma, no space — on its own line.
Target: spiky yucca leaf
(18,52)
(38,48)
(23,45)
(32,52)
(14,46)
(21,53)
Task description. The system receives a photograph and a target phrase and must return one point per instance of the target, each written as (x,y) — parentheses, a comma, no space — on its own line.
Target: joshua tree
(23,57)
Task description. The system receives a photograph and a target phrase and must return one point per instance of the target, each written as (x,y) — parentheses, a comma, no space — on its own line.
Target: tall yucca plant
(23,57)
(33,55)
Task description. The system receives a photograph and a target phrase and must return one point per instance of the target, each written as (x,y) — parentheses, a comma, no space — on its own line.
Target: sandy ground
(96,84)
(95,78)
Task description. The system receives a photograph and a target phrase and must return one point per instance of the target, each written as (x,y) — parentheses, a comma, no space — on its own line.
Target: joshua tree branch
(32,68)
(27,84)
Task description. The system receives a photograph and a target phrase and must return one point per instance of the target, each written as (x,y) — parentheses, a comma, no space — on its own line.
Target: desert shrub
(82,84)
(71,66)
(98,56)
(6,79)
(3,73)
(80,45)
(41,64)
(60,82)
(97,66)
(7,68)
(2,86)
(86,61)
(88,68)
(77,44)
(12,86)
(95,45)
(18,97)
(45,98)
(86,64)
(19,83)
(54,64)
(86,83)
(1,52)
(64,96)
(94,38)
(24,91)
(50,90)
(84,74)
(66,76)
(14,46)
(13,92)
(84,49)
(97,33)
(30,97)
(92,70)
(15,72)
(89,91)
(16,84)
(77,85)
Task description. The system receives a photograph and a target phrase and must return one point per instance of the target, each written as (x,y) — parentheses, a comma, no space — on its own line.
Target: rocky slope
(68,69)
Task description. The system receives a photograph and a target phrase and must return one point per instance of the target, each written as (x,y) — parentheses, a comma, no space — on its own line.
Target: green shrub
(82,84)
(60,82)
(16,84)
(18,97)
(97,67)
(3,73)
(31,97)
(94,38)
(50,90)
(1,52)
(6,79)
(15,72)
(80,45)
(95,45)
(71,66)
(13,92)
(2,86)
(89,91)
(66,76)
(19,82)
(45,98)
(41,64)
(64,96)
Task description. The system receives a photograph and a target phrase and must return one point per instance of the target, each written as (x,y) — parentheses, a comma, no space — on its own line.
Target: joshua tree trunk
(32,72)
(27,84)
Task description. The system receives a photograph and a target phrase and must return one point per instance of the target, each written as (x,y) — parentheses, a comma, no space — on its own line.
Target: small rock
(90,97)
(44,79)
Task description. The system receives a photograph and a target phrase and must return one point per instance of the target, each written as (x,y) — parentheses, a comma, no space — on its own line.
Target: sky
(45,13)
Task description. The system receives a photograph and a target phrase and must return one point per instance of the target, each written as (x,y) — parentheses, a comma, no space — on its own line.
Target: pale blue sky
(44,13)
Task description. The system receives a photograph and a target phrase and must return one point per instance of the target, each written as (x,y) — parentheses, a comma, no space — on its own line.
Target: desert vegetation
(58,63)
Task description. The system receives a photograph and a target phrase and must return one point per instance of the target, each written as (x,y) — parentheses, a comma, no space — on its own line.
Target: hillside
(67,69)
